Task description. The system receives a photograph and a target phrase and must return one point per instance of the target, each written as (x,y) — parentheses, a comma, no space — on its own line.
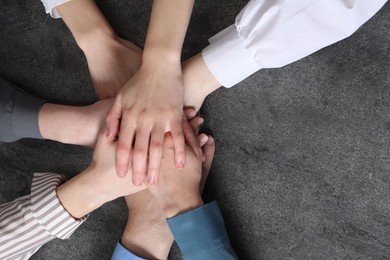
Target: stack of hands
(178,189)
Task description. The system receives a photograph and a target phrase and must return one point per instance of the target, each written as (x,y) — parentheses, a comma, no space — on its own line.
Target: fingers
(125,142)
(139,153)
(140,156)
(195,123)
(190,138)
(113,118)
(168,143)
(155,154)
(101,139)
(103,143)
(179,143)
(190,113)
(208,151)
(202,139)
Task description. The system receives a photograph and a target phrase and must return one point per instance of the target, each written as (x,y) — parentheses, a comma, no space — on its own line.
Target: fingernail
(121,173)
(137,182)
(180,165)
(204,139)
(191,113)
(210,141)
(200,120)
(151,179)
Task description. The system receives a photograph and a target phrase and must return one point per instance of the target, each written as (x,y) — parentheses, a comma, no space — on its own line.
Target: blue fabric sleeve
(121,253)
(201,234)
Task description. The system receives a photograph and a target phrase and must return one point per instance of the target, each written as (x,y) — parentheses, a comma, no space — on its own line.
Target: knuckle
(139,153)
(157,146)
(144,113)
(180,136)
(138,174)
(153,170)
(123,148)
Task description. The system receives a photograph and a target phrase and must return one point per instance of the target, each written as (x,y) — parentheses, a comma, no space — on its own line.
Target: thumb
(102,143)
(208,150)
(113,118)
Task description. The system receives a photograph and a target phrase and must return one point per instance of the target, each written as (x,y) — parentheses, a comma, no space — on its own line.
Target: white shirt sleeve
(274,33)
(50,7)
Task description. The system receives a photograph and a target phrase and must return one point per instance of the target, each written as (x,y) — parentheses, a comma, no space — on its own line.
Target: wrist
(95,39)
(76,196)
(96,187)
(84,193)
(183,207)
(85,20)
(166,57)
(199,82)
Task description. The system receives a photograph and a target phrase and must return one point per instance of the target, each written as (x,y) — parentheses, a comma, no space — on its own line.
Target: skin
(147,233)
(110,70)
(112,62)
(78,125)
(151,102)
(97,184)
(179,190)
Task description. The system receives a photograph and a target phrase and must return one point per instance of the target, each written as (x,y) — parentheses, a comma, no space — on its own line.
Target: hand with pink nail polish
(151,103)
(148,106)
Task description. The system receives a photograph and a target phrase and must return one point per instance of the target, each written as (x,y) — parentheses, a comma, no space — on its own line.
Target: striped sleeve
(31,221)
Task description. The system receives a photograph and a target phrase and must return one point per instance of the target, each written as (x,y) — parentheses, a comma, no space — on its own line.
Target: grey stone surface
(303,159)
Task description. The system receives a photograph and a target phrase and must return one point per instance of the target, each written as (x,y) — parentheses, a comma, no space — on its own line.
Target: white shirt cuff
(50,7)
(227,58)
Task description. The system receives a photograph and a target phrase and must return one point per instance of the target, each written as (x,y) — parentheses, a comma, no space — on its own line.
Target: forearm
(78,125)
(167,28)
(199,82)
(86,22)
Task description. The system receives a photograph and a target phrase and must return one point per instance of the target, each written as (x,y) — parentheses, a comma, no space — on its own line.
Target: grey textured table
(303,152)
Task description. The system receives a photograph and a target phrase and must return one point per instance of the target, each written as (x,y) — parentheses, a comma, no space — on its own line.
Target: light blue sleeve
(121,253)
(201,234)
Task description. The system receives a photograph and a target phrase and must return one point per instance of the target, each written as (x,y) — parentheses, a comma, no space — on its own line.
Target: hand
(103,162)
(150,105)
(180,191)
(112,61)
(97,184)
(147,233)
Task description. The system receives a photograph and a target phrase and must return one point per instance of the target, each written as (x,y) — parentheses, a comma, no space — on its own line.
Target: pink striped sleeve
(30,221)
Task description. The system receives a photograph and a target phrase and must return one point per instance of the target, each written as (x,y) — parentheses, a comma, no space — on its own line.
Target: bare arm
(151,103)
(111,60)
